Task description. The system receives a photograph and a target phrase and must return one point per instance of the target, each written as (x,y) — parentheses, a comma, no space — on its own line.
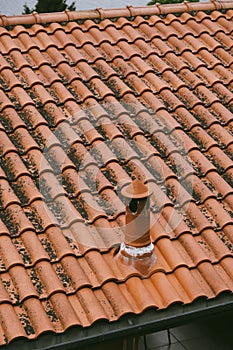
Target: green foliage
(44,6)
(26,10)
(153,2)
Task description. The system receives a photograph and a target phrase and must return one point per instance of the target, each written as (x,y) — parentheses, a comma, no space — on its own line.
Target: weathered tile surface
(85,106)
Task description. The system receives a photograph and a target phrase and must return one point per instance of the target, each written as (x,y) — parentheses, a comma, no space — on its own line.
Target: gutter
(150,321)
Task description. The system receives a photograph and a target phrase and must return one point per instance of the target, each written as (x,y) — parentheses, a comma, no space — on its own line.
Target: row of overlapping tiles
(66,138)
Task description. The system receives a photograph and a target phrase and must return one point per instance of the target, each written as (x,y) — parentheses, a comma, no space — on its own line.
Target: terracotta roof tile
(86,106)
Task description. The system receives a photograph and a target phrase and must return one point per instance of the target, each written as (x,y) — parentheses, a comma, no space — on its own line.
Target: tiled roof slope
(86,106)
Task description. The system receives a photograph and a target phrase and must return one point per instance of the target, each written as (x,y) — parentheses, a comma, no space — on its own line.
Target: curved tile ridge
(12,327)
(99,13)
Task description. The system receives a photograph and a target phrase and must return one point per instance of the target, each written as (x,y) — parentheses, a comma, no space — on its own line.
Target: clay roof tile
(97,106)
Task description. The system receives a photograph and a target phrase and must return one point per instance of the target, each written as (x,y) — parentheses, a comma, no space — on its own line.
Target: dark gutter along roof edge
(149,321)
(99,13)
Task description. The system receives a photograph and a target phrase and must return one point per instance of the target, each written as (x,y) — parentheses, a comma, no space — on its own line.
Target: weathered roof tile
(87,106)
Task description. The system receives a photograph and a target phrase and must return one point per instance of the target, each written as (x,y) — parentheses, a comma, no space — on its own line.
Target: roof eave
(149,321)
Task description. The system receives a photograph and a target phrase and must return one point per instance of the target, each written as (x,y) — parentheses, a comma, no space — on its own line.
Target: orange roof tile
(88,102)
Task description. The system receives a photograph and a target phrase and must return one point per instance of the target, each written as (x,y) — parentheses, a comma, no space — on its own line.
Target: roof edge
(99,13)
(150,321)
